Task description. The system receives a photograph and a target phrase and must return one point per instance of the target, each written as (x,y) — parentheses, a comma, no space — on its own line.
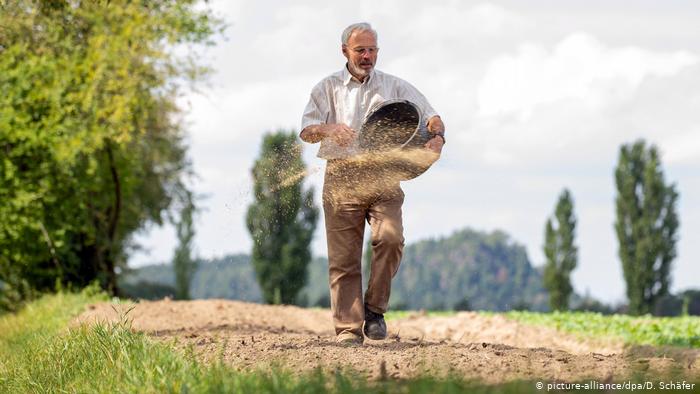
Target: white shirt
(340,98)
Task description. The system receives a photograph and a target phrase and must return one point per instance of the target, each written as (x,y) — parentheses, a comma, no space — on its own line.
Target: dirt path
(493,349)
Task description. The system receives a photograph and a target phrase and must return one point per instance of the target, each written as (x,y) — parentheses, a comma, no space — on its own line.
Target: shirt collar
(347,77)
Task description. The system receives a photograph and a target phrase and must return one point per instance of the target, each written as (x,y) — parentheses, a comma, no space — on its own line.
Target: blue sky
(536,96)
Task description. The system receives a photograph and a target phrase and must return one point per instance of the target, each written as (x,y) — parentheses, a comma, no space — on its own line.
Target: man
(351,193)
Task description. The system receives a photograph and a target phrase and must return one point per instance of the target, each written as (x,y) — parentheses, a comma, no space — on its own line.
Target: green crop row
(642,330)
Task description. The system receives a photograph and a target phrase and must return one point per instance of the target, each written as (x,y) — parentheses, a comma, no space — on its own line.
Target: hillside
(466,270)
(485,271)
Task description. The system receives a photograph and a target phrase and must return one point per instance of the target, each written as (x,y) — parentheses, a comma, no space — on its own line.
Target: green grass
(645,330)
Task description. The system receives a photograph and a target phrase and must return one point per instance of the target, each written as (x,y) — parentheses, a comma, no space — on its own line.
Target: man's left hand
(435,126)
(435,144)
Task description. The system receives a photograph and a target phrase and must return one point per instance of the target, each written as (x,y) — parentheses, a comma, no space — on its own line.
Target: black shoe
(375,326)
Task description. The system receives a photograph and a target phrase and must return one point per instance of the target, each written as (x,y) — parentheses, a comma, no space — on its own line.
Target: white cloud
(684,148)
(238,116)
(579,67)
(458,19)
(293,30)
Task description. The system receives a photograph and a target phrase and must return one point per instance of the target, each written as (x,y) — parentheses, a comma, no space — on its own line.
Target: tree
(282,219)
(560,252)
(183,263)
(92,147)
(646,225)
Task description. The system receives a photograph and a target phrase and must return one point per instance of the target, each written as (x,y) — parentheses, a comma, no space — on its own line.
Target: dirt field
(493,349)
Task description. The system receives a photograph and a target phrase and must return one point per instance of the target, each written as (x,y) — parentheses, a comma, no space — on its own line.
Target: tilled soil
(489,348)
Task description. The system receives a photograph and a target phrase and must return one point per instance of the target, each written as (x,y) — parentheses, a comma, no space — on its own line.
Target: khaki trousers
(352,195)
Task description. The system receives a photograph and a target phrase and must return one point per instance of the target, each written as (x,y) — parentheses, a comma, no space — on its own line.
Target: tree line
(646,226)
(465,270)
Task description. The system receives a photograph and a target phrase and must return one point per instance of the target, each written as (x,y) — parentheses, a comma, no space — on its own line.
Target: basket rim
(379,105)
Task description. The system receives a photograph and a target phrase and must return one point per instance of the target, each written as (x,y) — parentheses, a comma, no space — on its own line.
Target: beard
(358,71)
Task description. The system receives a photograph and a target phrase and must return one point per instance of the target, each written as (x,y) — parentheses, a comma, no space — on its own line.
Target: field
(86,343)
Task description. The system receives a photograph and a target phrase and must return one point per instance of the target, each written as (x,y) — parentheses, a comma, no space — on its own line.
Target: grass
(645,330)
(39,353)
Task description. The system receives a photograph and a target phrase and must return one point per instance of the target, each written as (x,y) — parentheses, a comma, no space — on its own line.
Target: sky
(536,97)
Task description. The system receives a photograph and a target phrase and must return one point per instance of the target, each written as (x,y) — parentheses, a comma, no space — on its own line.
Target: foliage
(561,253)
(91,146)
(590,304)
(684,303)
(645,330)
(14,290)
(282,219)
(488,269)
(646,225)
(463,305)
(183,263)
(146,290)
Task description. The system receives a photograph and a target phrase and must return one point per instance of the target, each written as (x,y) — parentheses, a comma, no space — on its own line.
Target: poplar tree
(646,225)
(560,252)
(184,264)
(282,218)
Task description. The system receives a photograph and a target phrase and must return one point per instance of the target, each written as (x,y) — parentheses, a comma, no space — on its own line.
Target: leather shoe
(375,326)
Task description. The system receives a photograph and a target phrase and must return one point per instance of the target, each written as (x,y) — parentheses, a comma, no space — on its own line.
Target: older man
(335,112)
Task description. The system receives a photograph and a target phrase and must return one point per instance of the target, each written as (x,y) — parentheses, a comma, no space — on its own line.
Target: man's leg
(344,232)
(387,248)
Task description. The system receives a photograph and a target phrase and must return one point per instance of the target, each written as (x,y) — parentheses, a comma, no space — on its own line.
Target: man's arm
(436,128)
(435,125)
(340,133)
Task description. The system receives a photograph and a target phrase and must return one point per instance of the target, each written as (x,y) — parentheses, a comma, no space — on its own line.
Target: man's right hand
(340,133)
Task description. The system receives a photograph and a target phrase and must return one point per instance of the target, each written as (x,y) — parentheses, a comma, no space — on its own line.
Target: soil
(489,348)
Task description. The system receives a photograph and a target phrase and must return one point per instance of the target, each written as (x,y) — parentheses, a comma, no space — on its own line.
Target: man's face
(361,52)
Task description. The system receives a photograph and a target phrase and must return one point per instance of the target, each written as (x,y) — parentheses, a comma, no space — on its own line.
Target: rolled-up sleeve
(316,111)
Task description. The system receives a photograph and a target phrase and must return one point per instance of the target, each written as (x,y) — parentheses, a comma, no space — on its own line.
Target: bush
(463,305)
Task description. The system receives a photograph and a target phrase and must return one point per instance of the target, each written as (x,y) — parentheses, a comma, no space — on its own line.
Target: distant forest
(468,270)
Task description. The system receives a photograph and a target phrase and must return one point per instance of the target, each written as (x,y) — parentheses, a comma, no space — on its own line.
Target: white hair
(364,26)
